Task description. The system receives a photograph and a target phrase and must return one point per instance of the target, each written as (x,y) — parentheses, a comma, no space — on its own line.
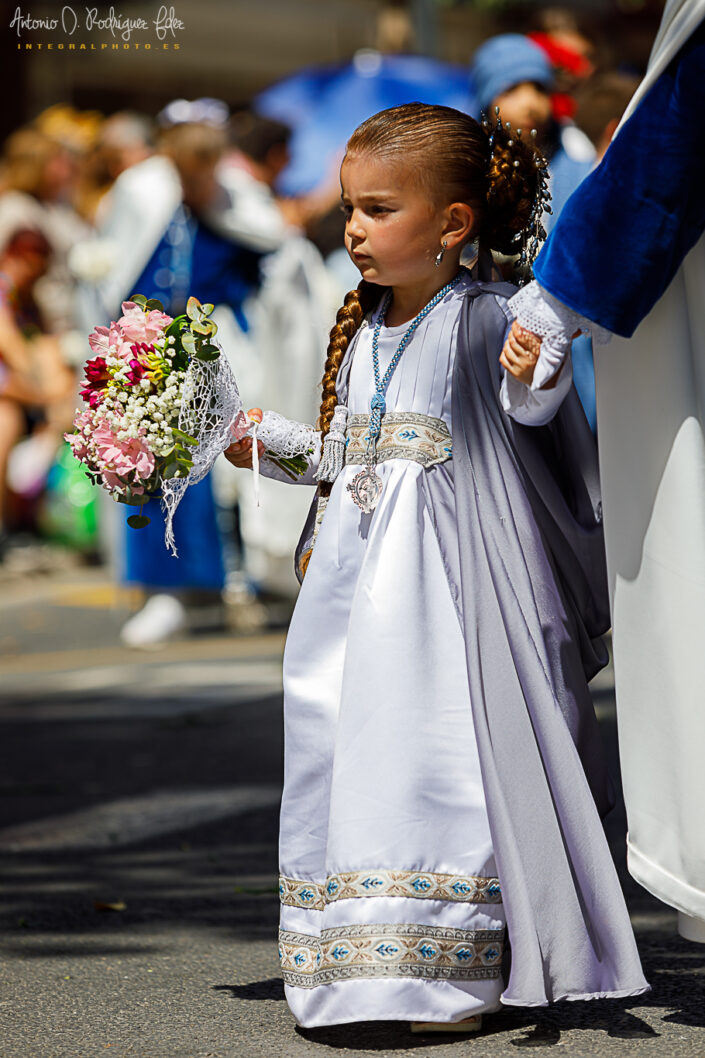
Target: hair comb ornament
(530,238)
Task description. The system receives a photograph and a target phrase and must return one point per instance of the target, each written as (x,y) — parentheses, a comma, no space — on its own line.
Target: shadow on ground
(63,779)
(218,872)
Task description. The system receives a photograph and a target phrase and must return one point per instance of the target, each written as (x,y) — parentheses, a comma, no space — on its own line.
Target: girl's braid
(350,315)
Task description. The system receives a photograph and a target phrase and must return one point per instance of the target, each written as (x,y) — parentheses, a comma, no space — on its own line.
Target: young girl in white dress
(438,726)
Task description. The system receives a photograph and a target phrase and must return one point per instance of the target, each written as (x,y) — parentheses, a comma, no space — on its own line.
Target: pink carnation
(120,344)
(99,341)
(122,461)
(78,445)
(140,326)
(79,441)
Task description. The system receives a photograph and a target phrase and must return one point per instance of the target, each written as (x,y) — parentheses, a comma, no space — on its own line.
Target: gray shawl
(518,519)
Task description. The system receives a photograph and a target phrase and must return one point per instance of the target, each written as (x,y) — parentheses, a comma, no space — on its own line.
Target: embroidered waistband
(398,950)
(405,435)
(419,885)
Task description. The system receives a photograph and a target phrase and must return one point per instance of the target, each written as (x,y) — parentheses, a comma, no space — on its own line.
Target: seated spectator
(36,388)
(37,181)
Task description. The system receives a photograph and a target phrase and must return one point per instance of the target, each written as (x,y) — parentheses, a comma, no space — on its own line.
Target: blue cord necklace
(366,486)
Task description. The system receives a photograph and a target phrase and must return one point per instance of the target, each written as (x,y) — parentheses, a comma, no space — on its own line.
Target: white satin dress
(391,905)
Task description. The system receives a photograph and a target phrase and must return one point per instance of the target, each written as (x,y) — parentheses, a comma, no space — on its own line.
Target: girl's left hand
(520,353)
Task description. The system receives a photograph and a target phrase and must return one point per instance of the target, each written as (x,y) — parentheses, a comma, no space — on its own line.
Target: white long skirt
(391,908)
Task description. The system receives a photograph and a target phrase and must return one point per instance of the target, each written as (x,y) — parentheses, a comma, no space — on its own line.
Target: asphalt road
(138,826)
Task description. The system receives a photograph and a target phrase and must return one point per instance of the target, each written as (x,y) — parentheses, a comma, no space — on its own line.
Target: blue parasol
(324,105)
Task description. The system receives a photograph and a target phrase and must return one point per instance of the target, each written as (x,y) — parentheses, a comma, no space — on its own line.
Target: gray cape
(518,518)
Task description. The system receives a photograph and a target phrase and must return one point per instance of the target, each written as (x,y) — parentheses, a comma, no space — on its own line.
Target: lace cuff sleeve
(292,449)
(538,311)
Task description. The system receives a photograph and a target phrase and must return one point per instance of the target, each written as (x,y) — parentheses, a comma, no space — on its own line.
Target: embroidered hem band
(399,950)
(419,885)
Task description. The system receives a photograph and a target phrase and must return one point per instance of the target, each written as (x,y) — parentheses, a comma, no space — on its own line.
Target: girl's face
(392,231)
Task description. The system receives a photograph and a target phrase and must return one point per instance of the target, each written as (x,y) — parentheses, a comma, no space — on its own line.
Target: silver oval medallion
(365,489)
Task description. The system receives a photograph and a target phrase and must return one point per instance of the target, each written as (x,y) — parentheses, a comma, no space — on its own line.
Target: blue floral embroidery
(403,950)
(421,885)
(426,885)
(408,435)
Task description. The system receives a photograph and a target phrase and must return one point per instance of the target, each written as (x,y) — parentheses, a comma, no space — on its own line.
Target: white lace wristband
(286,438)
(538,311)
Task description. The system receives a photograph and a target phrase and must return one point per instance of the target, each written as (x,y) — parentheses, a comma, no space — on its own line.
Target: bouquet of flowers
(160,402)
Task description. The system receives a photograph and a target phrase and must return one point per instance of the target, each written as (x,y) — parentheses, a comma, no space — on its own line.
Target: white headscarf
(680,19)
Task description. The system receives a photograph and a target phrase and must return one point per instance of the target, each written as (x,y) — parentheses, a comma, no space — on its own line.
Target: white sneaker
(162,617)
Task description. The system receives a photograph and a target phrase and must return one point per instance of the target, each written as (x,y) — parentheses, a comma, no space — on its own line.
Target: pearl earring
(441,252)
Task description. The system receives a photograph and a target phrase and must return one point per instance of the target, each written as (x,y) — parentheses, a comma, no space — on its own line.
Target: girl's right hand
(520,353)
(240,452)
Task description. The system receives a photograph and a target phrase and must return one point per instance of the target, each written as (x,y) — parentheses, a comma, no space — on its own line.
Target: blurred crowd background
(212,170)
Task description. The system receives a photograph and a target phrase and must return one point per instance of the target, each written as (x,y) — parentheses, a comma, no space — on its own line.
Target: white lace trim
(210,403)
(538,311)
(286,437)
